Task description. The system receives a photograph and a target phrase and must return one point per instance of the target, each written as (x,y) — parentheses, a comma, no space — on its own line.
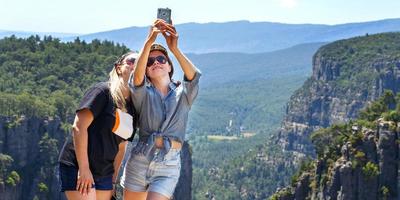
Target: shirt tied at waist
(146,145)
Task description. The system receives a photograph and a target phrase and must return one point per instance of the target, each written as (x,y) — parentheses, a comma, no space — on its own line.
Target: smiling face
(160,68)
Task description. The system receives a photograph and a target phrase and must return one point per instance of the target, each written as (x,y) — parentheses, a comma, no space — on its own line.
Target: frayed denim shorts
(160,174)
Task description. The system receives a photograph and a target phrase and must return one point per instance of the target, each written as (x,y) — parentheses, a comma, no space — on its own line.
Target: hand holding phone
(165,14)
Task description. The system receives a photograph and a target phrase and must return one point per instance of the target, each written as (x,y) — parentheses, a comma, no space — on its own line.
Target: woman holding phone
(162,105)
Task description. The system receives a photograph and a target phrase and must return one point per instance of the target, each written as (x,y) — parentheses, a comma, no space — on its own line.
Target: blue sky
(88,16)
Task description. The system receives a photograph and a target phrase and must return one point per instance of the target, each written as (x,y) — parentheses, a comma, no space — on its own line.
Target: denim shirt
(166,116)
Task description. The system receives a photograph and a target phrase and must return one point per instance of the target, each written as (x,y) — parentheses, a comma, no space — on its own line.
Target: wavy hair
(117,85)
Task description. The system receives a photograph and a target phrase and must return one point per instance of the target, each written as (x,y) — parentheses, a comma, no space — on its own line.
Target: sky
(90,16)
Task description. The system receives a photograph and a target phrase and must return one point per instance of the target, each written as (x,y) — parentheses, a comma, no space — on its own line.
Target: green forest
(43,79)
(46,78)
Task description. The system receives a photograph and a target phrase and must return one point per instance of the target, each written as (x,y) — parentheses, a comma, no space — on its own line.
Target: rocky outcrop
(388,153)
(370,175)
(33,145)
(302,188)
(347,75)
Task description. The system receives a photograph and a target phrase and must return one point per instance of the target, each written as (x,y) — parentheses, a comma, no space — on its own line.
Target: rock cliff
(347,75)
(367,168)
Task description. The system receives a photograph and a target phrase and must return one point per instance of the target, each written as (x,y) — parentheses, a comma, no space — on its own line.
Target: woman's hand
(171,36)
(156,28)
(85,181)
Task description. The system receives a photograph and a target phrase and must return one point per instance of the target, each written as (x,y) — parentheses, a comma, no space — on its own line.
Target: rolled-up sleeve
(191,88)
(138,93)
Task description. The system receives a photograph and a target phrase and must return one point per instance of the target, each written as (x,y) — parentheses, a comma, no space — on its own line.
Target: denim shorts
(160,175)
(69,174)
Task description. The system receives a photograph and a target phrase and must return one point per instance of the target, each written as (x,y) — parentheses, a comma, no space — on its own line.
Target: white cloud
(288,3)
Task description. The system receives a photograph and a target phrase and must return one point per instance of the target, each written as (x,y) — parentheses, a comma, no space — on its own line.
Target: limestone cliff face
(29,142)
(34,145)
(349,178)
(347,75)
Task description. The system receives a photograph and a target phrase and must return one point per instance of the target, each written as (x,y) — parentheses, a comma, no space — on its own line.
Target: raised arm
(171,37)
(140,69)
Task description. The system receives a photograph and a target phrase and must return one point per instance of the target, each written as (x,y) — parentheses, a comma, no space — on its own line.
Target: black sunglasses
(160,59)
(130,61)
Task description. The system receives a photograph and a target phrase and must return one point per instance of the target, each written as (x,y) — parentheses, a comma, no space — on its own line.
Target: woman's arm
(140,69)
(118,160)
(187,66)
(171,37)
(83,119)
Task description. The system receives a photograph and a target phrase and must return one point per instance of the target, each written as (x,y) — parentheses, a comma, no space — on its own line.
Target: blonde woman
(89,163)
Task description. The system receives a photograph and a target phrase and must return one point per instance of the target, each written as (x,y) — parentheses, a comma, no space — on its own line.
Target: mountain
(347,76)
(357,160)
(249,89)
(224,67)
(248,37)
(24,34)
(241,36)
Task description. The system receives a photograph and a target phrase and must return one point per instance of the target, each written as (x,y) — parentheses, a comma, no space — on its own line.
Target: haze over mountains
(238,36)
(239,67)
(24,34)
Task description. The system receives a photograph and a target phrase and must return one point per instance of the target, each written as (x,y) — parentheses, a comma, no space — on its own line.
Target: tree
(64,104)
(5,163)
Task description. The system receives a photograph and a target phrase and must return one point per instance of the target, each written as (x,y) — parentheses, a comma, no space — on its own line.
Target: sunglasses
(130,61)
(160,59)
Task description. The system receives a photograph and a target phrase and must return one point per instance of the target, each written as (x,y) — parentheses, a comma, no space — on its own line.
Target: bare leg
(103,194)
(156,196)
(75,195)
(129,195)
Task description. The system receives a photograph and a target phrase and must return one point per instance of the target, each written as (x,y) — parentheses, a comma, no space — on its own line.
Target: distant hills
(227,67)
(242,36)
(25,34)
(249,89)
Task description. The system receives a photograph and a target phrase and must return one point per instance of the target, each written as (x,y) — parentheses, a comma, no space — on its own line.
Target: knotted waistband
(146,146)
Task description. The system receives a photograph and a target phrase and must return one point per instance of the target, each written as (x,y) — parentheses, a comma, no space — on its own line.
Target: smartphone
(165,14)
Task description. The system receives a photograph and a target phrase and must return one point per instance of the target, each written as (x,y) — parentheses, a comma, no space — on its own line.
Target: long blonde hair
(117,85)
